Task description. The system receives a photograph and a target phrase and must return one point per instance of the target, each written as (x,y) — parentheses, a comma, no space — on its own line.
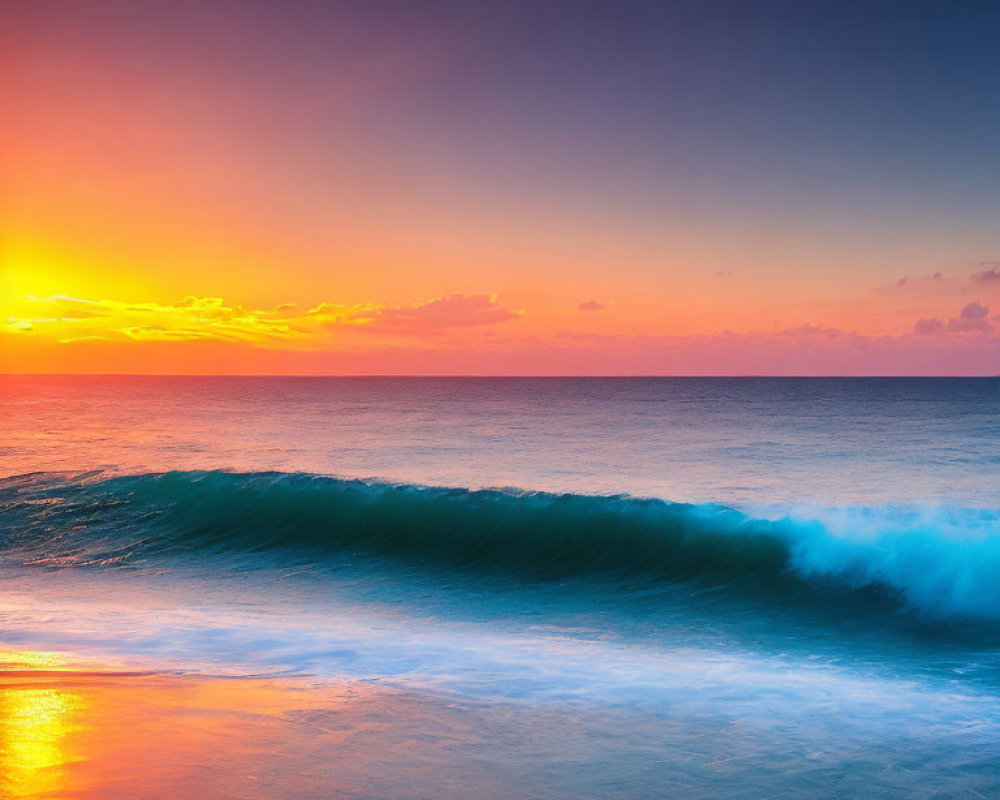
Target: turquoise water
(735,588)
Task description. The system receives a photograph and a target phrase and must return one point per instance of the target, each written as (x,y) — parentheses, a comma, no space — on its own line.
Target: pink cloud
(927,326)
(975,310)
(591,305)
(453,311)
(991,275)
(972,318)
(804,350)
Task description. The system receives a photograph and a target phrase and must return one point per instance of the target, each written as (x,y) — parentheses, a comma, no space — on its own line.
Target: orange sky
(258,194)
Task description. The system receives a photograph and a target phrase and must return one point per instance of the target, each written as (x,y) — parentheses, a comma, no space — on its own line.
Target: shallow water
(819,616)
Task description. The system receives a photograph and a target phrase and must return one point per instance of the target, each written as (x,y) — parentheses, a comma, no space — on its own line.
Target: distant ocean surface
(735,587)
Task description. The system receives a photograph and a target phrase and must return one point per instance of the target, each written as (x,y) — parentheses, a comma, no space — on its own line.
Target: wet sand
(74,732)
(92,733)
(86,732)
(106,734)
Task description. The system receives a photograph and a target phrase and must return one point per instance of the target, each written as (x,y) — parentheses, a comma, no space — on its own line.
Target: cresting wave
(943,565)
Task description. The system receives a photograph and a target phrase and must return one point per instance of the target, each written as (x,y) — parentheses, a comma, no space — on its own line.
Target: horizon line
(453,376)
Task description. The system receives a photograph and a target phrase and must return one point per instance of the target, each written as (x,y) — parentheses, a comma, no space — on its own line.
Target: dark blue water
(815,561)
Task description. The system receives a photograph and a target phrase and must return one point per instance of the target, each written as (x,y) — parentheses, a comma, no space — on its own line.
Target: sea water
(622,587)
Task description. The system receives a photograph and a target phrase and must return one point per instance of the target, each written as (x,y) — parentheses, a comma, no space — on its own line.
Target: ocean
(497,587)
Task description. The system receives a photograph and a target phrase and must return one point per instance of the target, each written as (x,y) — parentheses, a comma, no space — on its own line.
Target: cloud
(928,326)
(453,311)
(989,276)
(972,318)
(591,305)
(803,350)
(968,326)
(928,285)
(975,310)
(71,319)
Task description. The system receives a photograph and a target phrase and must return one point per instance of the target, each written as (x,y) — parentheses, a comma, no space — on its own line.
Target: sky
(694,187)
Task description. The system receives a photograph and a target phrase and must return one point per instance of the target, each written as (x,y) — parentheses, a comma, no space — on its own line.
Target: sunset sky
(694,187)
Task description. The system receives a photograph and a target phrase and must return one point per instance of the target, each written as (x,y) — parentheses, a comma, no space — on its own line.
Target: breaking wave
(943,564)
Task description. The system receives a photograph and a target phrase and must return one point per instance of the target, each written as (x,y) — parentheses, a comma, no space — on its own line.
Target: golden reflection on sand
(34,724)
(84,732)
(80,731)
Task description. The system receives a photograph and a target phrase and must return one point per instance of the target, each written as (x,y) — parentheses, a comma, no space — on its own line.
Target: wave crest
(943,564)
